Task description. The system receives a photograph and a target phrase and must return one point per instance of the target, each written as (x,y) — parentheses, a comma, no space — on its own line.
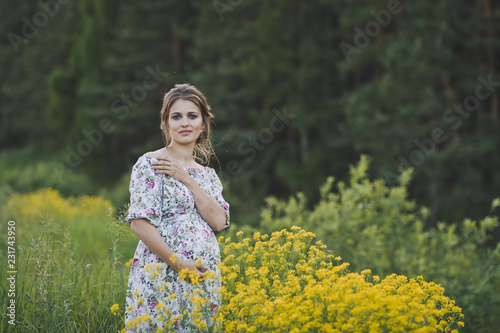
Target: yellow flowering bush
(371,224)
(287,283)
(83,218)
(48,203)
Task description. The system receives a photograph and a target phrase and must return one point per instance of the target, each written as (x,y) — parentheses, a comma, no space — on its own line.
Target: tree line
(299,91)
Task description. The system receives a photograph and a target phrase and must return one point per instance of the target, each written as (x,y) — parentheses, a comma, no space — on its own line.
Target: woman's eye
(193,116)
(176,116)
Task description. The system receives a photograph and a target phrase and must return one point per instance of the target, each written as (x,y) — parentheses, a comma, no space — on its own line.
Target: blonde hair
(203,149)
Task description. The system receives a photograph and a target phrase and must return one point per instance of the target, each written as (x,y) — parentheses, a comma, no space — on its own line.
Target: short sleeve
(145,200)
(217,194)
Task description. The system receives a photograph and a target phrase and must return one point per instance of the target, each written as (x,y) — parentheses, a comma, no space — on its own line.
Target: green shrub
(372,225)
(25,170)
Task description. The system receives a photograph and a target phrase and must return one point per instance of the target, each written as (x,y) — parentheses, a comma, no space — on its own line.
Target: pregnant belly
(192,238)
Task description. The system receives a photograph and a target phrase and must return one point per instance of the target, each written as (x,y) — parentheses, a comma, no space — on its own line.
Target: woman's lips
(185,132)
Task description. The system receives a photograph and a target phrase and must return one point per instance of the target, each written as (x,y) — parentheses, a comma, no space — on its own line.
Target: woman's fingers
(202,268)
(162,164)
(196,267)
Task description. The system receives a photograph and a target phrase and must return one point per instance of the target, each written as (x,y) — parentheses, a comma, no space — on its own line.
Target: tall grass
(65,285)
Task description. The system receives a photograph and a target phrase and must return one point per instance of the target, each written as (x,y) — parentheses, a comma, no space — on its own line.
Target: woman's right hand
(191,266)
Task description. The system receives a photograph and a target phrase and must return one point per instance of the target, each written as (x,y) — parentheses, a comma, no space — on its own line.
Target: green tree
(407,81)
(273,65)
(32,46)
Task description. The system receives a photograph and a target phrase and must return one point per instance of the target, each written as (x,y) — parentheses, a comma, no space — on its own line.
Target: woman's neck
(183,154)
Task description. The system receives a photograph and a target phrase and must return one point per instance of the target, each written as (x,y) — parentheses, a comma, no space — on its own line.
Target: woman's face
(185,122)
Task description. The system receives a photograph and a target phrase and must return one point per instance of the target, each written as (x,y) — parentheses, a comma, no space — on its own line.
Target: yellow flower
(173,258)
(183,273)
(285,281)
(159,306)
(210,275)
(129,263)
(200,324)
(114,308)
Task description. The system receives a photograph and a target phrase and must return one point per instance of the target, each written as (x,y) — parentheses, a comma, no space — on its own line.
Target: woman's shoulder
(155,154)
(211,171)
(145,160)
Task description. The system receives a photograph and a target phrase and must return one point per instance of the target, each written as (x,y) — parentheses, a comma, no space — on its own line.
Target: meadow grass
(70,259)
(58,290)
(72,277)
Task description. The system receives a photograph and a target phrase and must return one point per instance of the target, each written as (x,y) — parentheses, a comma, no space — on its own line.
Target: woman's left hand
(171,168)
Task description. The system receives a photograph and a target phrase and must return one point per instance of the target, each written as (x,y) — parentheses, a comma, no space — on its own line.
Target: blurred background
(299,90)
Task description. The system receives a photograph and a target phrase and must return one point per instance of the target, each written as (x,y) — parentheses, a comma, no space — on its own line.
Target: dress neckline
(190,168)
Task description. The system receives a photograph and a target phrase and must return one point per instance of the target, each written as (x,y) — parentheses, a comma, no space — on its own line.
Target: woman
(176,205)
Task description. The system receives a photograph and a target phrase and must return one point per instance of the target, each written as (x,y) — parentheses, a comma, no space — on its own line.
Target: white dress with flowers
(157,299)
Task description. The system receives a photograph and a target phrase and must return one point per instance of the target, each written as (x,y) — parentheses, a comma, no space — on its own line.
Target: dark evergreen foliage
(299,90)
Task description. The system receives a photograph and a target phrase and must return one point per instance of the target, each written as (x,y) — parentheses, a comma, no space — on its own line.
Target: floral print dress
(157,299)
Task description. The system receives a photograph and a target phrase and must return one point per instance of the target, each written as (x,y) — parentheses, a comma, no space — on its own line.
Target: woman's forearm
(148,234)
(209,209)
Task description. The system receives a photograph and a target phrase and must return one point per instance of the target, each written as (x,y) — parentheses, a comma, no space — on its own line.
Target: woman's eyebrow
(191,111)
